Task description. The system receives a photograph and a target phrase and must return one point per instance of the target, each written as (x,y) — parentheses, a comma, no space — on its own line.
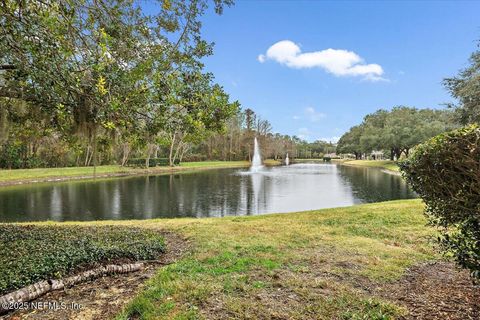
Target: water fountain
(287,161)
(257,160)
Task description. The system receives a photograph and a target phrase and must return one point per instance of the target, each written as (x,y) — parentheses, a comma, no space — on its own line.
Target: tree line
(395,132)
(236,142)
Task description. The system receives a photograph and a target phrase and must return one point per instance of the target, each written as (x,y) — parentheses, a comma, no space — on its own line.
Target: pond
(208,193)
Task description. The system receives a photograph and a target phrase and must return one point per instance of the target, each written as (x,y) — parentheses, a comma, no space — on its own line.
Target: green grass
(296,265)
(45,173)
(383,164)
(31,253)
(214,164)
(272,162)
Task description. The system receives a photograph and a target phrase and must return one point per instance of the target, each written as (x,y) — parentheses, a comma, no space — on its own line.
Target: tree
(188,107)
(350,142)
(466,88)
(373,133)
(88,66)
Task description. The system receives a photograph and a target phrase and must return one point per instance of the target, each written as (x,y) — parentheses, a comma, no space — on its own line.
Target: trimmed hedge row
(32,253)
(153,162)
(445,172)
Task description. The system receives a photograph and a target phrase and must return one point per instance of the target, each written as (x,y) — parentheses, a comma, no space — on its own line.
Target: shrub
(153,162)
(11,156)
(32,253)
(445,172)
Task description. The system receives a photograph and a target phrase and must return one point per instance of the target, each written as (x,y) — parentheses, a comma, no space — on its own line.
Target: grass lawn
(272,162)
(383,164)
(45,173)
(294,266)
(298,265)
(310,160)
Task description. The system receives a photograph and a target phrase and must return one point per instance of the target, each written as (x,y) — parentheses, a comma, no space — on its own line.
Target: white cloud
(331,139)
(313,115)
(335,61)
(304,133)
(296,117)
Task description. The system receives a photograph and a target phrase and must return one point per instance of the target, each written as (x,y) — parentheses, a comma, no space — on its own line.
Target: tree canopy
(99,69)
(465,87)
(395,131)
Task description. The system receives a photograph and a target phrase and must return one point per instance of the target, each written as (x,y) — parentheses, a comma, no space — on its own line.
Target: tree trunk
(147,157)
(40,288)
(94,153)
(87,156)
(184,150)
(397,152)
(172,144)
(126,153)
(179,147)
(230,147)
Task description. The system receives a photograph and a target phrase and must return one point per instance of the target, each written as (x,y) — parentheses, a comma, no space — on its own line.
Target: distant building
(331,155)
(376,155)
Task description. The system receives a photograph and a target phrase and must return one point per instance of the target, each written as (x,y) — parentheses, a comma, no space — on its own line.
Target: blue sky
(382,54)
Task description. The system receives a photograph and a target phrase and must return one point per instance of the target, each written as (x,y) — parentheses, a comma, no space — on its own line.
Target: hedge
(153,162)
(445,172)
(30,253)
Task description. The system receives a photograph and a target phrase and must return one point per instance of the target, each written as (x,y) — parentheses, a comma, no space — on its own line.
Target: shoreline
(183,168)
(123,172)
(385,165)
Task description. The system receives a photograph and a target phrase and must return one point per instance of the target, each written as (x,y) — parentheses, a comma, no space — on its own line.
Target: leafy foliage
(350,142)
(466,88)
(90,71)
(395,131)
(444,171)
(41,252)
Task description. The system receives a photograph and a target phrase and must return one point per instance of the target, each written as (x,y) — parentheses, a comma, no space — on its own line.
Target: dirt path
(437,290)
(104,297)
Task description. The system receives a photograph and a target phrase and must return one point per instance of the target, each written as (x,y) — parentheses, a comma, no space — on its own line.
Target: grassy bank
(43,174)
(272,162)
(32,253)
(382,164)
(299,265)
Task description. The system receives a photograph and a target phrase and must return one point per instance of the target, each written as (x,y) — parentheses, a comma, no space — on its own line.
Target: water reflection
(372,185)
(217,193)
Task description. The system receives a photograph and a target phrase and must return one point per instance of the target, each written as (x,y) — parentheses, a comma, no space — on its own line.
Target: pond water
(209,193)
